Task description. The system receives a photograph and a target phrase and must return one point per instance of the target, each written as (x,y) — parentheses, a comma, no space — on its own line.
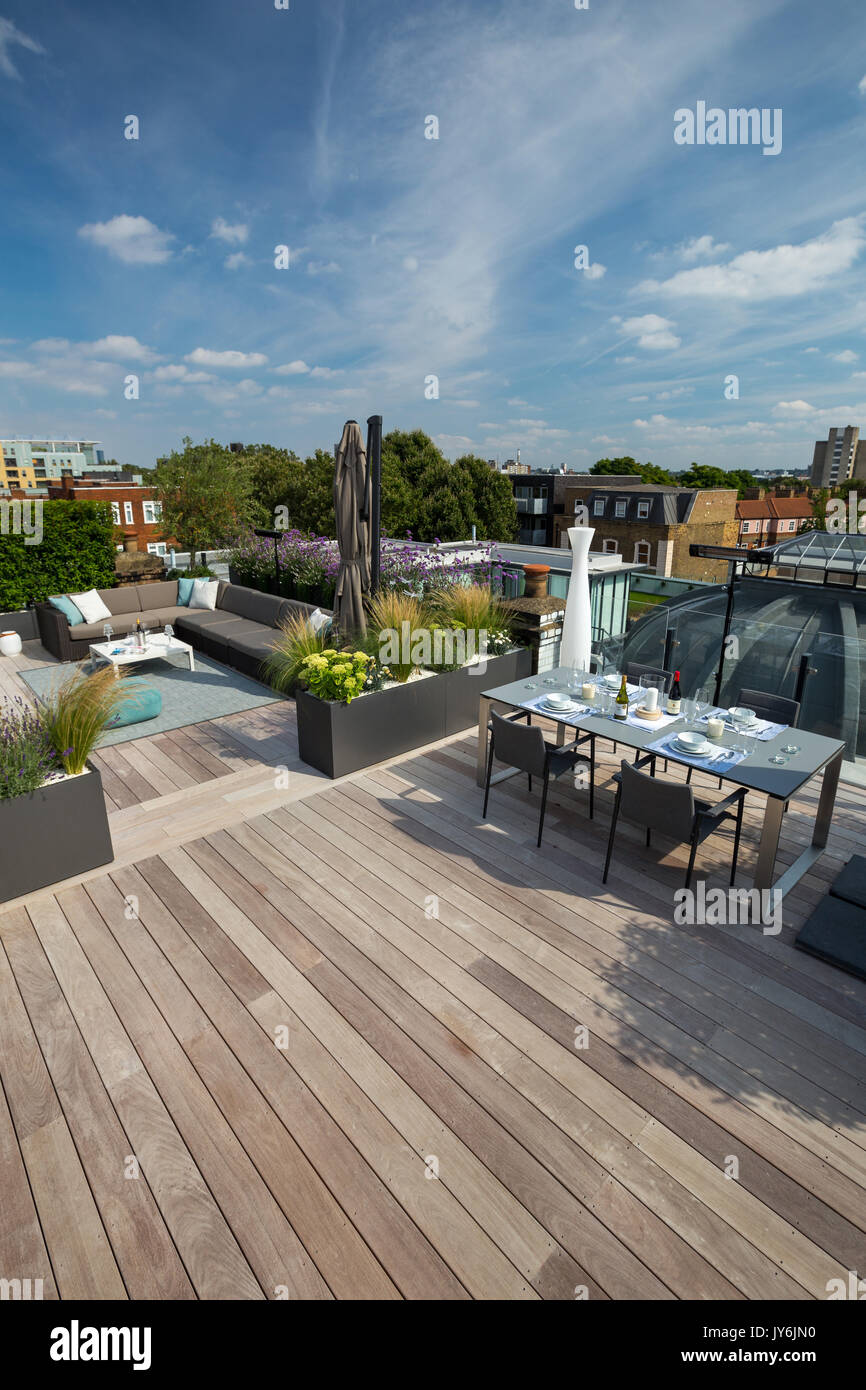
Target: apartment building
(33,463)
(133,506)
(842,455)
(648,524)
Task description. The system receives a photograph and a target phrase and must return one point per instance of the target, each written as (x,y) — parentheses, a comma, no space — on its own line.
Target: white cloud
(323,268)
(795,408)
(700,247)
(470,405)
(861,86)
(207,357)
(298,368)
(605,439)
(176,371)
(595,271)
(133,240)
(783,271)
(846,356)
(623,360)
(410,263)
(236,260)
(9,36)
(235,235)
(634,399)
(651,331)
(811,349)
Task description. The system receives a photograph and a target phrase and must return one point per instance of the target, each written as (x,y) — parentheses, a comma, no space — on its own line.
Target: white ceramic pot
(10,644)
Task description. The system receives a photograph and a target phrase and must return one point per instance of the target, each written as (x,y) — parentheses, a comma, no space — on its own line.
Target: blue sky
(412,258)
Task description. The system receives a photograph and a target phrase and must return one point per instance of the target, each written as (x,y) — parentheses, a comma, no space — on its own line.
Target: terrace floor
(321,1043)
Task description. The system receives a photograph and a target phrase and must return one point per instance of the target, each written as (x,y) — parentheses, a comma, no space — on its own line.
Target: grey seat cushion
(163,615)
(252,605)
(259,644)
(162,594)
(197,618)
(121,623)
(122,600)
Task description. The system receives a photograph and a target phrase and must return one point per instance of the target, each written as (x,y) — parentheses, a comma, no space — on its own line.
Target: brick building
(135,512)
(765,520)
(648,524)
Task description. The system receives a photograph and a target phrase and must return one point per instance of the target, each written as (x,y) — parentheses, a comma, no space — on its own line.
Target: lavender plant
(27,755)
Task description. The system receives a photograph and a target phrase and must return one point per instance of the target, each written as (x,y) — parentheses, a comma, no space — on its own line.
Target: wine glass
(107,630)
(169,633)
(742,727)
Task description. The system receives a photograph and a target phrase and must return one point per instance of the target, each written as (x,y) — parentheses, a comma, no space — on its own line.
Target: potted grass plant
(427,664)
(53,819)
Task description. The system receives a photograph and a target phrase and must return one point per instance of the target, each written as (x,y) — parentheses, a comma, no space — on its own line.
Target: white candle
(715,728)
(651,699)
(587,690)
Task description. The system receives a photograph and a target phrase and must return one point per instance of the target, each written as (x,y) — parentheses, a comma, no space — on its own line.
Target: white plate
(699,752)
(556,707)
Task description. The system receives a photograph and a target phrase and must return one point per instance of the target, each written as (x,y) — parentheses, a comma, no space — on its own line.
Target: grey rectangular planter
(338,739)
(51,834)
(23,622)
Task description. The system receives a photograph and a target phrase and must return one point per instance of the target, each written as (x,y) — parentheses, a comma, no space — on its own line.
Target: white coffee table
(158,648)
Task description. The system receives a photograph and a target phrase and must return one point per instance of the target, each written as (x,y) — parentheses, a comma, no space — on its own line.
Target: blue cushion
(184,592)
(145,704)
(63,603)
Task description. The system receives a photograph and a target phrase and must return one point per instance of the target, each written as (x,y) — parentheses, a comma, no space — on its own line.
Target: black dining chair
(523,746)
(673,809)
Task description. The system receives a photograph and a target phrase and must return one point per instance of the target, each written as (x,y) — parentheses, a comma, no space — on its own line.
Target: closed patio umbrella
(353,538)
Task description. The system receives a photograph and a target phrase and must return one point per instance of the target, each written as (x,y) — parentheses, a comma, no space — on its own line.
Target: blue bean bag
(145,704)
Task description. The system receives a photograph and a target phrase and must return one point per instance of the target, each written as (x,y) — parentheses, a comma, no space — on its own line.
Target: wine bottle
(675,695)
(621,709)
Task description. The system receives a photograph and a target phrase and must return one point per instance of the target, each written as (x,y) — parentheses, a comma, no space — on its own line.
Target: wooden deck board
(430,1125)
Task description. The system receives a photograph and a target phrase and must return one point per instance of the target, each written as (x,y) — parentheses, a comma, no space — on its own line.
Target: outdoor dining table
(777,781)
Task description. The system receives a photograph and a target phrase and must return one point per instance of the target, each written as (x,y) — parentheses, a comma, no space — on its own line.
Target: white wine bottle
(621,708)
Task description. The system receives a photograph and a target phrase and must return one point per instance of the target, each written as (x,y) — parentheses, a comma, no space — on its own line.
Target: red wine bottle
(675,695)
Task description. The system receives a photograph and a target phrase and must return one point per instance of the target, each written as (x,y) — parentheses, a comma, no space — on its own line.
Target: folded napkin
(762,729)
(536,704)
(720,760)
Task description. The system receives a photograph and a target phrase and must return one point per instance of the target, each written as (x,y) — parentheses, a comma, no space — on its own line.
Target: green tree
(277,479)
(206,493)
(495,510)
(647,472)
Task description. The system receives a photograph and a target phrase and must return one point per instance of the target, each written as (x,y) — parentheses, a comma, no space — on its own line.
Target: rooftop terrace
(429,1124)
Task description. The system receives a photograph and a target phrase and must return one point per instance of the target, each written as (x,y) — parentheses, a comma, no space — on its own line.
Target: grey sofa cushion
(197,619)
(162,594)
(122,600)
(252,605)
(121,623)
(293,608)
(258,644)
(163,615)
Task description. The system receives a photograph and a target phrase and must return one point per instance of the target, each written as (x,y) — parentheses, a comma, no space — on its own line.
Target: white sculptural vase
(10,644)
(576,649)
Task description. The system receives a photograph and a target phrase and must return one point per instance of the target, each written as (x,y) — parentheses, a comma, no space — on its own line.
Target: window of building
(598,507)
(156,547)
(747,526)
(643,510)
(115,513)
(127,513)
(642,553)
(620,506)
(152,512)
(609,547)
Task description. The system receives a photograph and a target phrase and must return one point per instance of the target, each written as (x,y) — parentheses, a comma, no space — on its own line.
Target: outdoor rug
(188,697)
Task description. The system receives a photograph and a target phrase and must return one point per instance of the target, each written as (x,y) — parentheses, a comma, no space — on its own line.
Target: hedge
(76,552)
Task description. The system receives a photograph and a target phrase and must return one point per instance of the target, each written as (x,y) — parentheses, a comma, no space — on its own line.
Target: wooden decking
(346,1040)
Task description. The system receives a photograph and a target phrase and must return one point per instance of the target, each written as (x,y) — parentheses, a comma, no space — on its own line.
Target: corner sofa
(240,632)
